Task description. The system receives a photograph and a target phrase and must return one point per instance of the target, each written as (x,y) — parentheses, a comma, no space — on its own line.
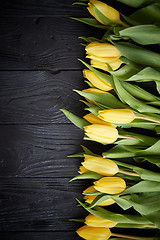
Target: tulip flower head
(100,165)
(109,12)
(91,118)
(101,133)
(94,221)
(110,185)
(89,198)
(103,50)
(96,81)
(96,233)
(117,116)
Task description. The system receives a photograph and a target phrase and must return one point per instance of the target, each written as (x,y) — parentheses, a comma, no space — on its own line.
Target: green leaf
(118,152)
(153,150)
(139,92)
(90,21)
(136,3)
(147,73)
(147,15)
(89,152)
(120,218)
(79,122)
(132,101)
(87,175)
(138,54)
(106,99)
(143,34)
(138,123)
(143,173)
(158,86)
(143,186)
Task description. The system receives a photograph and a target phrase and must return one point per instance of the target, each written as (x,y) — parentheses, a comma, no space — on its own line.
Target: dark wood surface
(39,48)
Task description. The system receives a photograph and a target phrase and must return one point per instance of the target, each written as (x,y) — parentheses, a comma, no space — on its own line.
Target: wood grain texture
(38,96)
(39,235)
(43,43)
(51,8)
(38,204)
(32,150)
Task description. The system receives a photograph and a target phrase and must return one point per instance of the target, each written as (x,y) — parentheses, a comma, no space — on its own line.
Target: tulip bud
(102,50)
(96,81)
(101,133)
(82,169)
(109,12)
(94,233)
(102,65)
(118,116)
(100,165)
(110,185)
(89,198)
(94,221)
(90,117)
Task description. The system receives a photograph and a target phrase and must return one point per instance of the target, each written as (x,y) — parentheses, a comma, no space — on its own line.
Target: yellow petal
(118,116)
(106,10)
(103,59)
(82,169)
(94,233)
(100,165)
(90,117)
(94,221)
(110,185)
(101,133)
(96,81)
(102,50)
(114,65)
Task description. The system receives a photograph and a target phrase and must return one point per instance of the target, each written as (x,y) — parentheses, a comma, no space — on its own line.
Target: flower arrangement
(118,108)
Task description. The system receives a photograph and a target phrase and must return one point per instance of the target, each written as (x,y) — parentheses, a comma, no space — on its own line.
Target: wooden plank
(38,204)
(20,8)
(39,235)
(32,150)
(51,7)
(37,96)
(45,43)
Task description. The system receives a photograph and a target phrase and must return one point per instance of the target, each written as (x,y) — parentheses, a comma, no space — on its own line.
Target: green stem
(131,237)
(148,119)
(129,173)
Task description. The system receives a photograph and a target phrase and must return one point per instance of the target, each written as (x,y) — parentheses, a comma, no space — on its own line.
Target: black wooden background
(39,48)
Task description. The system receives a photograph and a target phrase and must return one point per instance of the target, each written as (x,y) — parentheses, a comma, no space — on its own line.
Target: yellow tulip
(118,116)
(82,169)
(91,118)
(89,198)
(102,50)
(101,133)
(102,65)
(110,185)
(100,165)
(94,233)
(103,59)
(94,221)
(106,10)
(96,81)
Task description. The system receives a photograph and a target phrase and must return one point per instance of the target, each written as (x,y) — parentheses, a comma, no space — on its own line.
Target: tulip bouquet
(122,62)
